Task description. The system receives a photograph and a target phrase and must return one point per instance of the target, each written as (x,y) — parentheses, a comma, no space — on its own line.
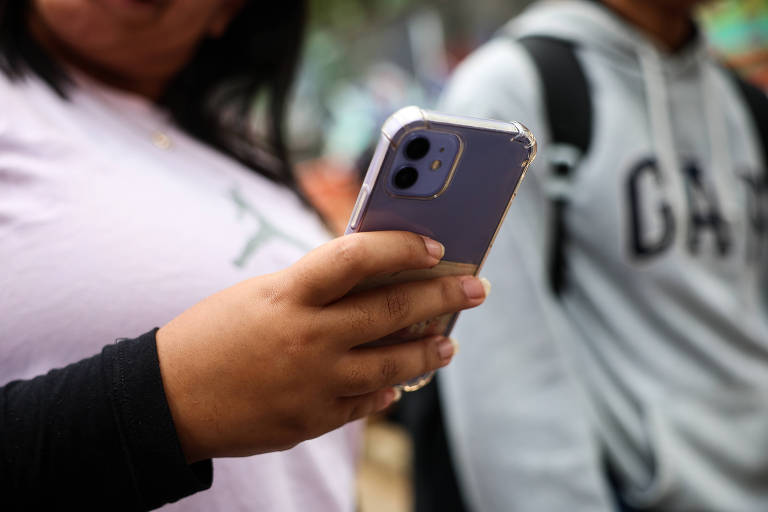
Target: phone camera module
(406,177)
(417,148)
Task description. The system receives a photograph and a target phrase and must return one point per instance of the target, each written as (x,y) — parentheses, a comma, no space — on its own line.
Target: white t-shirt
(112,222)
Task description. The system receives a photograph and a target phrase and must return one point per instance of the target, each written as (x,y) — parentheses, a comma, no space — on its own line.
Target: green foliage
(354,15)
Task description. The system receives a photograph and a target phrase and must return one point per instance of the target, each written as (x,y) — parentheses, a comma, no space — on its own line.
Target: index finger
(333,269)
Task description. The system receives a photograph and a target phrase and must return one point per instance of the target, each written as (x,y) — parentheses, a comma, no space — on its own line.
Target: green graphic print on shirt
(264,232)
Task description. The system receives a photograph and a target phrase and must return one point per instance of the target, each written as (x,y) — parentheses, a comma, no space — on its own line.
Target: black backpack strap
(569,114)
(757,101)
(568,106)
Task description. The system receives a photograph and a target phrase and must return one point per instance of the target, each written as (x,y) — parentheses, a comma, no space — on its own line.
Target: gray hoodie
(656,358)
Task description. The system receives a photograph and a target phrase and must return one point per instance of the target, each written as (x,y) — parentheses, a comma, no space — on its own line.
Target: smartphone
(447,177)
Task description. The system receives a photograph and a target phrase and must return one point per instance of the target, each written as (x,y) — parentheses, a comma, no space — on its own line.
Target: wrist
(179,397)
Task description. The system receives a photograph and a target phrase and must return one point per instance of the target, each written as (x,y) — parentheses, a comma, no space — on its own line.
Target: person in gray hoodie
(646,381)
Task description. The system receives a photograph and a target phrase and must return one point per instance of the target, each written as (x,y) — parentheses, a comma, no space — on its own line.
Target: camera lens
(417,148)
(406,177)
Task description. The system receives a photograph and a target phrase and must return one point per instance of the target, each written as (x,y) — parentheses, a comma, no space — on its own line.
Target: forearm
(97,433)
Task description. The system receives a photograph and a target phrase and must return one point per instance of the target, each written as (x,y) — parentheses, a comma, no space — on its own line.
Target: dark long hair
(211,97)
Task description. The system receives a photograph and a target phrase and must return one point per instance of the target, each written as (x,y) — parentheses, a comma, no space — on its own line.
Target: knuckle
(419,250)
(413,249)
(298,343)
(294,426)
(357,411)
(398,303)
(351,251)
(293,347)
(358,378)
(273,295)
(276,289)
(389,369)
(413,244)
(362,318)
(426,357)
(449,292)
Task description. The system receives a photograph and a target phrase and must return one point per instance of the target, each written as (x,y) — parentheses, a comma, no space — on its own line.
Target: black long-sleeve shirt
(97,434)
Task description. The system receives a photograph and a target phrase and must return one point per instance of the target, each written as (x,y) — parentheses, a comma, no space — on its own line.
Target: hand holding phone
(447,177)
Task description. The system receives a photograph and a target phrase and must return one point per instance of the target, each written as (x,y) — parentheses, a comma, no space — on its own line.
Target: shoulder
(10,102)
(746,113)
(23,99)
(498,80)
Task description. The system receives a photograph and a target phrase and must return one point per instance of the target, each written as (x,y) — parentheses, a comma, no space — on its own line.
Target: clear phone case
(448,177)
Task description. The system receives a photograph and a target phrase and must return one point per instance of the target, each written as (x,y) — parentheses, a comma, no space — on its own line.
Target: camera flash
(436,165)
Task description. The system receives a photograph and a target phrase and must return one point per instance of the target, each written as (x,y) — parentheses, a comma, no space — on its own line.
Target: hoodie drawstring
(721,172)
(661,130)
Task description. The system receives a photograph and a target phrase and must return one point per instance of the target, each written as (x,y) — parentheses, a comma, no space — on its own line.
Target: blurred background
(363,60)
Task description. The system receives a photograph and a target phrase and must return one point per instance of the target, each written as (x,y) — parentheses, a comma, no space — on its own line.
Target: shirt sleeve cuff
(159,469)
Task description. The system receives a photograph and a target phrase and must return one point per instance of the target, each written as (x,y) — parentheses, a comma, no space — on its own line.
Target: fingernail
(455,345)
(474,288)
(486,286)
(445,349)
(434,248)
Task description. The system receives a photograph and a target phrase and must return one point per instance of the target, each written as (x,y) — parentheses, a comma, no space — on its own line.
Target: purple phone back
(465,216)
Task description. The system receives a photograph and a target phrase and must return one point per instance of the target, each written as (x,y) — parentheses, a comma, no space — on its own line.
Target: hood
(596,29)
(593,26)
